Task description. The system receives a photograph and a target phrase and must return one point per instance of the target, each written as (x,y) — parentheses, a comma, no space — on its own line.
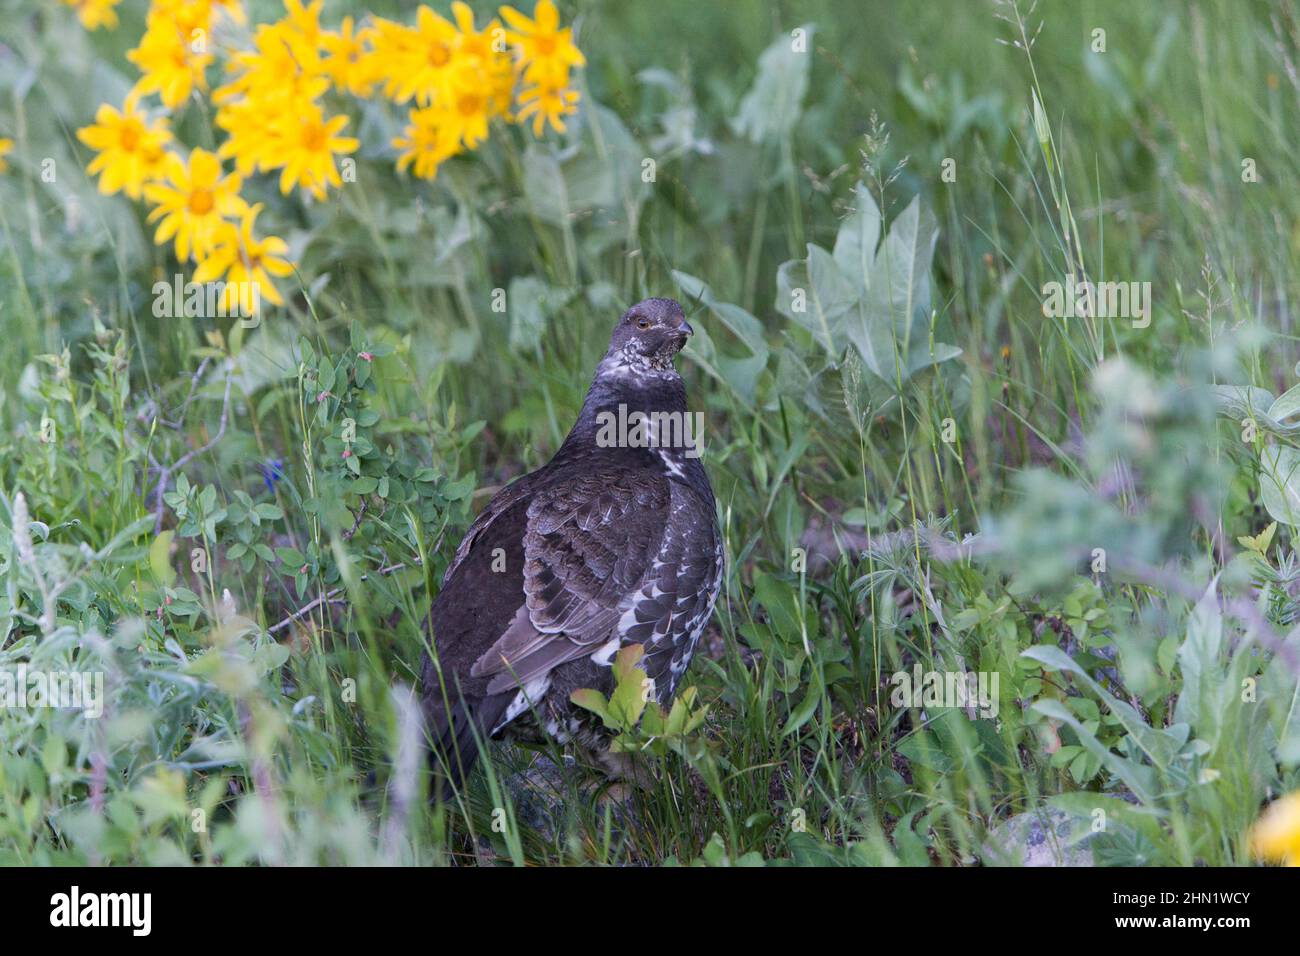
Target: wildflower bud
(365,355)
(347,452)
(322,396)
(303,569)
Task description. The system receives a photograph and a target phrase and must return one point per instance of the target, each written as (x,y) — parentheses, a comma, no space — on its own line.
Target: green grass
(1045,439)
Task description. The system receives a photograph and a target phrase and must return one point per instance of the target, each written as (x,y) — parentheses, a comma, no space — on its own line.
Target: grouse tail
(458,727)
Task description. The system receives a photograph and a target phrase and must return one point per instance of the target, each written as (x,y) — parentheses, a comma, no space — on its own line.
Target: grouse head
(647,337)
(636,380)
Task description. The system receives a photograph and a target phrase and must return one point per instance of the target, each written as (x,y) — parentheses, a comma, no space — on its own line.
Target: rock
(537,792)
(541,790)
(1043,837)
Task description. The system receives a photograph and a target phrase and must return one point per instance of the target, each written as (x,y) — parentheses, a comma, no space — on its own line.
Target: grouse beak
(681,333)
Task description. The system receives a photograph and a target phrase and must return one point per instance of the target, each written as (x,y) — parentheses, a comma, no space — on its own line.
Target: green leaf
(1139,779)
(1198,658)
(594,701)
(160,559)
(1279,483)
(629,697)
(291,557)
(855,243)
(528,306)
(738,374)
(1261,542)
(270,656)
(807,706)
(773,104)
(815,294)
(1287,404)
(1158,745)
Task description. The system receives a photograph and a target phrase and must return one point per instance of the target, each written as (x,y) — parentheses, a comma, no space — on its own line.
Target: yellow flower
(246,263)
(94,14)
(416,62)
(350,64)
(304,21)
(465,118)
(547,103)
(545,52)
(475,45)
(306,147)
(273,87)
(280,65)
(192,202)
(1276,834)
(186,16)
(425,143)
(172,55)
(6,147)
(130,147)
(485,52)
(247,140)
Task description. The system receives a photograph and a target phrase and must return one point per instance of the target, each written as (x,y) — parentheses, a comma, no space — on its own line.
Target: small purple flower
(272,471)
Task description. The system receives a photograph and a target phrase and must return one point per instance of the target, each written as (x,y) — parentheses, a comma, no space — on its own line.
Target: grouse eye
(643,323)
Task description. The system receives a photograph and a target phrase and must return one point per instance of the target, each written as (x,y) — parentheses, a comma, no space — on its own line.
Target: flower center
(201,201)
(469,104)
(545,45)
(129,137)
(439,54)
(313,137)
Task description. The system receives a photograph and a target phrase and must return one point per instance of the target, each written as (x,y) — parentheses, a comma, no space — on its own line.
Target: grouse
(612,542)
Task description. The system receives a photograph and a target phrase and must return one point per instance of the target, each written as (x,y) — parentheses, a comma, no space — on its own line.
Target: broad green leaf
(1286,405)
(602,168)
(771,107)
(814,293)
(855,243)
(528,306)
(900,282)
(1279,483)
(1198,658)
(1240,403)
(544,185)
